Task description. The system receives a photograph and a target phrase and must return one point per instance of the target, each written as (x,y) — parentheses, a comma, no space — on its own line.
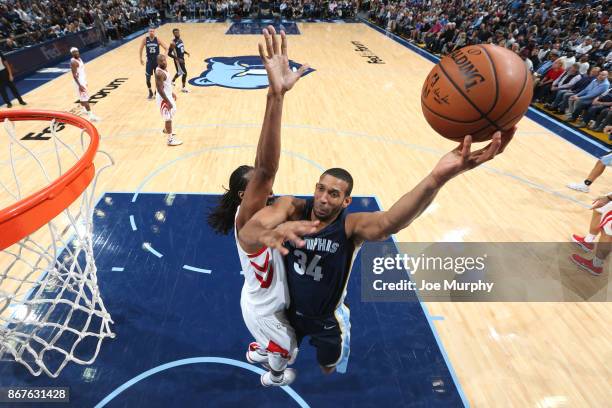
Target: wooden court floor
(367,118)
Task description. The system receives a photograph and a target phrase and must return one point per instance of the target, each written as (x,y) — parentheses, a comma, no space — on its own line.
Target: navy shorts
(151,65)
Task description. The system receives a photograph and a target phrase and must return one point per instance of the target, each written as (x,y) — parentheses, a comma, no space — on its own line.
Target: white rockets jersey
(82,77)
(265,289)
(167,86)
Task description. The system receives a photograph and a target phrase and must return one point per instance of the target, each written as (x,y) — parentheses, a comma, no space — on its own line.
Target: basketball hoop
(51,312)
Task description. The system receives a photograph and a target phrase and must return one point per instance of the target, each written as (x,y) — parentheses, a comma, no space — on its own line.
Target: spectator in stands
(543,87)
(604,101)
(602,121)
(560,104)
(584,98)
(567,80)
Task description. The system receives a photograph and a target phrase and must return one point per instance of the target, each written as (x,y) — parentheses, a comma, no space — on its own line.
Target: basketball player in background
(601,223)
(264,296)
(318,273)
(596,171)
(166,100)
(80,83)
(176,50)
(152,43)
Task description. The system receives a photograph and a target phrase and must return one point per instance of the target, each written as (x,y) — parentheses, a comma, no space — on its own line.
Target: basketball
(476,90)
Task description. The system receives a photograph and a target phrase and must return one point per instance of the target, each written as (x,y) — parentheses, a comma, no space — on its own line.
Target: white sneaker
(185,90)
(173,141)
(288,377)
(256,355)
(579,187)
(94,118)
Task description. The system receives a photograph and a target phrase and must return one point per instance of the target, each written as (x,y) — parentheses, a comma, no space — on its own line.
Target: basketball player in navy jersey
(177,51)
(318,272)
(152,44)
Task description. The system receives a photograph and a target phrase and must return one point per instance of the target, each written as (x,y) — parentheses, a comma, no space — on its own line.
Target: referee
(6,79)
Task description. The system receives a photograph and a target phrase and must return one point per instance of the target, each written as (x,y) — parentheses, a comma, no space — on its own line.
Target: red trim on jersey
(256,254)
(606,219)
(275,348)
(263,268)
(267,281)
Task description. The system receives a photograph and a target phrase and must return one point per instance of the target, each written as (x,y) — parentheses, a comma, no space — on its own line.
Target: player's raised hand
(288,231)
(462,159)
(276,62)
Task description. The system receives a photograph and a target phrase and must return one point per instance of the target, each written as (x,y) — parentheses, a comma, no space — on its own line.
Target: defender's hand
(276,62)
(462,159)
(288,231)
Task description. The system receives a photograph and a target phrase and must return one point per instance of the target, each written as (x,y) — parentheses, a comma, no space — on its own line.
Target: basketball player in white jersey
(80,82)
(264,296)
(166,100)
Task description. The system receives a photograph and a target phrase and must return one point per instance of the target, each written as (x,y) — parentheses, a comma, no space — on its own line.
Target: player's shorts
(607,159)
(150,67)
(606,221)
(167,111)
(329,335)
(273,332)
(180,68)
(83,96)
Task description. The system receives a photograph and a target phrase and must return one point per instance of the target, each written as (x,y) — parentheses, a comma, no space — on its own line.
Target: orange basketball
(475,91)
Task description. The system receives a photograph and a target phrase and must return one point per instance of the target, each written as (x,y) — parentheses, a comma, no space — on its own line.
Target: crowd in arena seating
(27,22)
(567,45)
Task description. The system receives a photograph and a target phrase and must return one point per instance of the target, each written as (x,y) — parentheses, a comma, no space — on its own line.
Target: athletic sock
(598,263)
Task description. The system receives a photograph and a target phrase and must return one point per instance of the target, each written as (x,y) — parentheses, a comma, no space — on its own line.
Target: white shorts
(606,160)
(83,96)
(167,111)
(273,332)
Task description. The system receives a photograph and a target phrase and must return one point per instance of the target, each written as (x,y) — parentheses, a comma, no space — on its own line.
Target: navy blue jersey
(179,48)
(152,47)
(317,274)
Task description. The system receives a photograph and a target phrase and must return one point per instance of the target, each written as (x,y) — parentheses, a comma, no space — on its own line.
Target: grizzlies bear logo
(245,72)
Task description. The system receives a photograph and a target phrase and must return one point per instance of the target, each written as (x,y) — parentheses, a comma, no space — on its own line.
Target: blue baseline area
(574,136)
(255,27)
(181,338)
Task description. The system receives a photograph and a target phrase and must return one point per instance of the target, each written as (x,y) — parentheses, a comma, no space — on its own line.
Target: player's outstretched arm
(267,155)
(378,226)
(266,220)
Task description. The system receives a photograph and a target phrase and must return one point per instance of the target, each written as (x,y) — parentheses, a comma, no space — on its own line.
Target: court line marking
(433,329)
(196,360)
(133,223)
(146,246)
(359,135)
(434,59)
(117,269)
(194,269)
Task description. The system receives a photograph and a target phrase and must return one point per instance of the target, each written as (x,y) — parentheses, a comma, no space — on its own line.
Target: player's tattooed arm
(284,209)
(159,84)
(378,226)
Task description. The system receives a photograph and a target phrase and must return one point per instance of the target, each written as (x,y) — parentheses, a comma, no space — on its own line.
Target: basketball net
(51,312)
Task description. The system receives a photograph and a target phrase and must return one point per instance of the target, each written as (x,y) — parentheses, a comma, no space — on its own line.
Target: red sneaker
(586,264)
(585,246)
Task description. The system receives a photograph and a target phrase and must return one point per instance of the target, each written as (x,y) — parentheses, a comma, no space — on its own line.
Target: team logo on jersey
(245,72)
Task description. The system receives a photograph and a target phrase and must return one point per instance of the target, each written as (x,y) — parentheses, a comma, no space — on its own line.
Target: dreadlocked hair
(221,219)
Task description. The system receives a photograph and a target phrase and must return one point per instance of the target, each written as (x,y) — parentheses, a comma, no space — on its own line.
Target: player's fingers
(268,39)
(506,137)
(262,53)
(301,70)
(283,43)
(275,43)
(465,148)
(491,150)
